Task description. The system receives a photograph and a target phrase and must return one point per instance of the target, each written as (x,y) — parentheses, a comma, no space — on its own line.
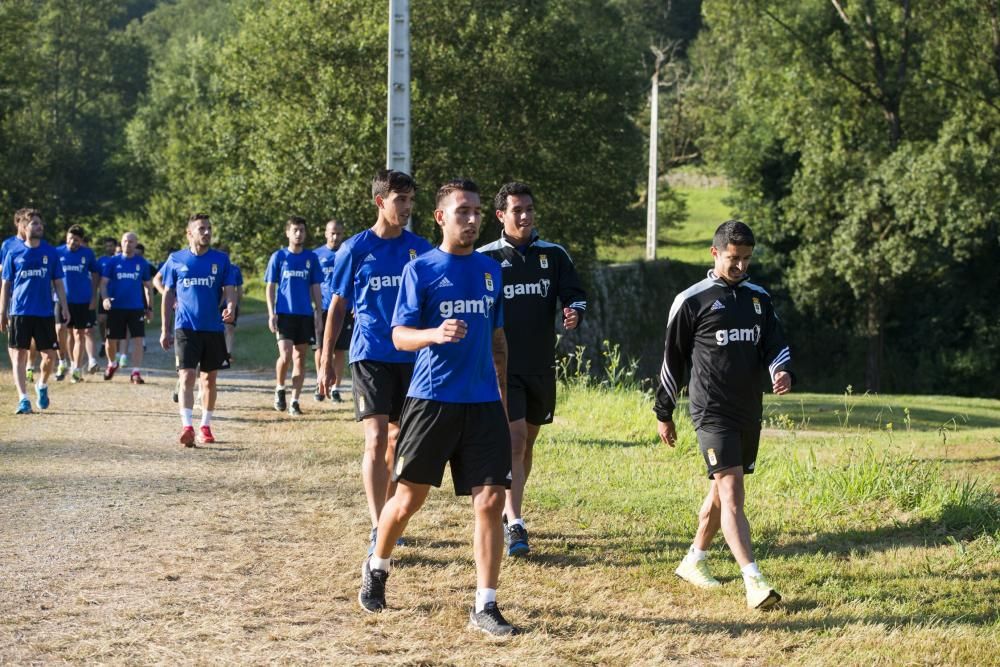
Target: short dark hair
(454,185)
(390,180)
(140,247)
(198,217)
(76,230)
(733,232)
(294,220)
(107,239)
(508,189)
(26,215)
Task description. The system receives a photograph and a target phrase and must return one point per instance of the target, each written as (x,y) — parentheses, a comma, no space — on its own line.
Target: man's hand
(570,318)
(3,322)
(64,310)
(451,331)
(107,303)
(229,314)
(324,375)
(272,322)
(148,314)
(782,382)
(166,340)
(667,431)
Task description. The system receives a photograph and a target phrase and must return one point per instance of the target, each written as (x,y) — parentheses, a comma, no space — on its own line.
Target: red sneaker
(136,378)
(206,437)
(109,372)
(187,436)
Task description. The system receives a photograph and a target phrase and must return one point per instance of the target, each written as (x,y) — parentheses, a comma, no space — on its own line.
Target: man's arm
(60,284)
(229,312)
(572,296)
(409,339)
(105,300)
(776,353)
(147,288)
(95,289)
(334,323)
(316,292)
(676,354)
(500,363)
(158,283)
(166,314)
(5,288)
(271,292)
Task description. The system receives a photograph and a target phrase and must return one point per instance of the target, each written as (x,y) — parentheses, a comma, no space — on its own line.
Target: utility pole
(654,121)
(397,147)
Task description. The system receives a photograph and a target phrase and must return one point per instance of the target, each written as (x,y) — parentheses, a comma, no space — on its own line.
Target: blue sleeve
(271,275)
(229,275)
(316,273)
(57,270)
(147,272)
(407,312)
(92,265)
(237,275)
(167,271)
(106,270)
(8,266)
(343,274)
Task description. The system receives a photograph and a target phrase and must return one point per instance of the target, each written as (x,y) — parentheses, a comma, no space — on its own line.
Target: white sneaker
(697,573)
(760,595)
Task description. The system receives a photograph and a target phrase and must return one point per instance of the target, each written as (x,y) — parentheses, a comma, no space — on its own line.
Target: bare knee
(489,501)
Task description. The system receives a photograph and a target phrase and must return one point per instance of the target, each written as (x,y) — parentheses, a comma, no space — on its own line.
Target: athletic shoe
(206,437)
(43,397)
(335,396)
(491,621)
(697,573)
(279,400)
(92,367)
(760,595)
(109,372)
(294,409)
(60,372)
(29,373)
(135,378)
(318,395)
(372,593)
(23,407)
(515,536)
(77,376)
(187,436)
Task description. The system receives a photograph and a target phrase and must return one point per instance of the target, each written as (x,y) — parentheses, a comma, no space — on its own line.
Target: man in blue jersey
(294,302)
(15,241)
(235,303)
(82,277)
(110,247)
(197,280)
(127,292)
(450,312)
(366,280)
(30,271)
(327,254)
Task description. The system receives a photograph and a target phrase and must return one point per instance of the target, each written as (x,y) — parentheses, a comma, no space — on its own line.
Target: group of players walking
(452,358)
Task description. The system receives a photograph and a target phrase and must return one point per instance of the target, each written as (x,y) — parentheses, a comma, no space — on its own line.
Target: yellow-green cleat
(697,573)
(760,595)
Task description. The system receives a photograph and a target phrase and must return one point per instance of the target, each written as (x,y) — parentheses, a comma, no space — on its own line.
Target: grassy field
(875,516)
(688,242)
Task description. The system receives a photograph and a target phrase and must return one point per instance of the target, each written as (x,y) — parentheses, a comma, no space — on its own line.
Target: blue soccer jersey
(294,274)
(198,281)
(367,275)
(439,286)
(78,267)
(8,244)
(125,278)
(31,272)
(327,259)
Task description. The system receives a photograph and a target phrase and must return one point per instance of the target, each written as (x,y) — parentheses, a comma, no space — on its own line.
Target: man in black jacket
(536,274)
(725,330)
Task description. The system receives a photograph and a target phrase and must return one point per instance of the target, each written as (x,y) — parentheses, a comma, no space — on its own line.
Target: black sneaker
(372,593)
(294,409)
(279,400)
(335,396)
(318,395)
(515,537)
(491,621)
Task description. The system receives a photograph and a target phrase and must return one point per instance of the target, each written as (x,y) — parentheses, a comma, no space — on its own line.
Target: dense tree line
(860,138)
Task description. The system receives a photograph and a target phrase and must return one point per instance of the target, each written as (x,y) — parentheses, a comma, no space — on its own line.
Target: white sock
(206,417)
(24,397)
(483,596)
(516,522)
(694,555)
(91,361)
(122,359)
(376,563)
(42,385)
(750,570)
(186,417)
(279,387)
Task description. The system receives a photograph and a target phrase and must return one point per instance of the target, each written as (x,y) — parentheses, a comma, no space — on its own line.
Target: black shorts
(80,316)
(25,328)
(472,437)
(346,331)
(131,321)
(204,349)
(380,388)
(723,448)
(300,329)
(531,398)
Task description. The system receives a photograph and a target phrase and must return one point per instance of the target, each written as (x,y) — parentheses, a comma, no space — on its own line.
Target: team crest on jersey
(45,259)
(489,282)
(215,269)
(137,268)
(83,260)
(307,263)
(543,261)
(756,305)
(413,254)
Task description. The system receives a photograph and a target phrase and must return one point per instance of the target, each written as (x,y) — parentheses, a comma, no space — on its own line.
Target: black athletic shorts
(80,316)
(122,321)
(300,329)
(204,349)
(723,447)
(531,398)
(346,331)
(472,437)
(25,328)
(380,388)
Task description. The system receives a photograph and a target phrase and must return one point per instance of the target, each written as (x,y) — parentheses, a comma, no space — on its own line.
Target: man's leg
(693,567)
(318,359)
(375,464)
(209,392)
(87,335)
(522,444)
(138,350)
(298,370)
(185,380)
(49,358)
(281,372)
(230,337)
(736,530)
(487,505)
(339,361)
(19,359)
(64,354)
(390,457)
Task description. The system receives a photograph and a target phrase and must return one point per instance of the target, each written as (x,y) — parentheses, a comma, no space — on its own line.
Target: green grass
(688,242)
